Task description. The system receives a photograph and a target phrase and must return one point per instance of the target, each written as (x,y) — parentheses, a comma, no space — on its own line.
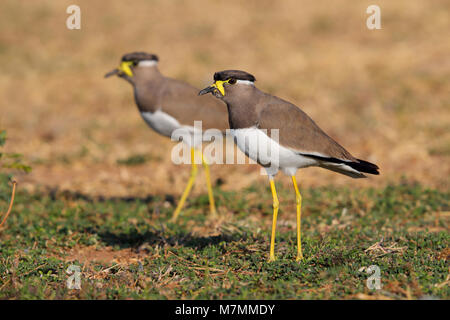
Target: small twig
(378,246)
(5,284)
(14,182)
(445,283)
(25,274)
(199,266)
(107,269)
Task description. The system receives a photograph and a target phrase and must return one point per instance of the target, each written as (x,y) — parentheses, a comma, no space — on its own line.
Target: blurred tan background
(383,94)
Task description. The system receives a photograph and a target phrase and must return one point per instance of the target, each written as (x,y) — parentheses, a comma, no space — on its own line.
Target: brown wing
(182,101)
(298,131)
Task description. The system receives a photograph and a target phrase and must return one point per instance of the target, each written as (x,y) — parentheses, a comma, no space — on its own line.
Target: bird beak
(124,68)
(112,73)
(216,85)
(209,89)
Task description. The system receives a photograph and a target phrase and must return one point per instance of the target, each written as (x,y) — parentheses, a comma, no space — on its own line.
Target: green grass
(137,159)
(201,258)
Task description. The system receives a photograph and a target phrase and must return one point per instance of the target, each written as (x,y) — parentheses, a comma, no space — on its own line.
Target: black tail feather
(360,165)
(364,166)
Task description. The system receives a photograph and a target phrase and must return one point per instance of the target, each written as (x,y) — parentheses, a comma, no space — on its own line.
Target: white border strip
(247,82)
(147,63)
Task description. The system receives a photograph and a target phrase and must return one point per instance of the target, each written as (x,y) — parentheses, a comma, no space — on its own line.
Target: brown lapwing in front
(167,104)
(300,142)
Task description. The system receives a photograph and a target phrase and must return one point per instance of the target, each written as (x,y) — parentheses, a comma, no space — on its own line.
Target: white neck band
(247,82)
(147,63)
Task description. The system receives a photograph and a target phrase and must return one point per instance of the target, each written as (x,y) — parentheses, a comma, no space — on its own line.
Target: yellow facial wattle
(125,67)
(219,85)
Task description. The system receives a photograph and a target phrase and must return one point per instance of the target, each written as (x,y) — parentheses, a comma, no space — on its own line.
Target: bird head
(224,80)
(132,61)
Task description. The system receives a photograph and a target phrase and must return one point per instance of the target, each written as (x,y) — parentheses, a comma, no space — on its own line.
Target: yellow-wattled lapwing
(167,104)
(300,143)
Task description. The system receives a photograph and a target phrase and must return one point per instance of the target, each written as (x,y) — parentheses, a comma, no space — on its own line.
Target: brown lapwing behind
(167,104)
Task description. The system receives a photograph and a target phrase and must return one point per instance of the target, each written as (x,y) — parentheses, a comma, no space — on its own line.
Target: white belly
(161,122)
(168,126)
(258,146)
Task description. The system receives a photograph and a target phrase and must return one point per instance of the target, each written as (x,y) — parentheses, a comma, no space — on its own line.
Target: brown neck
(143,74)
(148,84)
(242,100)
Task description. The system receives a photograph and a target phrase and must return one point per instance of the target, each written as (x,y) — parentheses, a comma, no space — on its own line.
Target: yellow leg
(298,198)
(276,205)
(212,205)
(188,187)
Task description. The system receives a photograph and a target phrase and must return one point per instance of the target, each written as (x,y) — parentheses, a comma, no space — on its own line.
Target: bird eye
(135,63)
(232,81)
